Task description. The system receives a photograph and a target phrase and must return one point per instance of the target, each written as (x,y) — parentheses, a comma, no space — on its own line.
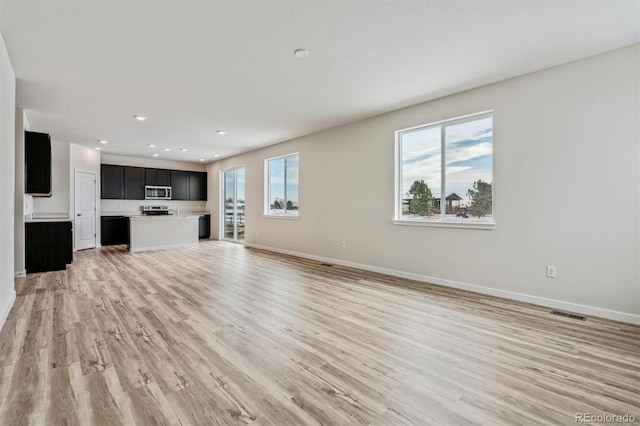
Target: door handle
(79,214)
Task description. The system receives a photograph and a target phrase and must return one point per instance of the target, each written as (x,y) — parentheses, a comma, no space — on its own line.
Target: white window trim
(442,223)
(447,224)
(267,189)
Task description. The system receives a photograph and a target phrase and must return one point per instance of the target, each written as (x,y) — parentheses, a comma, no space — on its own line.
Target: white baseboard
(536,300)
(171,246)
(7,308)
(20,274)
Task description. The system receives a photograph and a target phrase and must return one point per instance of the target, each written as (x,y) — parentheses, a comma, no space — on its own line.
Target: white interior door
(85,214)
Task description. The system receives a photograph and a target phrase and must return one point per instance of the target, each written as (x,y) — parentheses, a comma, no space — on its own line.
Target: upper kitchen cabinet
(112,182)
(179,185)
(198,186)
(157,177)
(37,158)
(122,182)
(134,183)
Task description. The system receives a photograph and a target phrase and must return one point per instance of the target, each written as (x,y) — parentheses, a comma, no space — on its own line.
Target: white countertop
(48,219)
(138,214)
(164,217)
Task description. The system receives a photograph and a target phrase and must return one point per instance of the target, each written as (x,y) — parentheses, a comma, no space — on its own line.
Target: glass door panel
(233,204)
(239,222)
(228,206)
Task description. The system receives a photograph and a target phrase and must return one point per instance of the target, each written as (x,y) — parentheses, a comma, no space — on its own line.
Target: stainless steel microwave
(157,192)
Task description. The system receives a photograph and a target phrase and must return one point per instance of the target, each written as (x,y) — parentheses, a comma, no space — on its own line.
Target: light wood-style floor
(225,335)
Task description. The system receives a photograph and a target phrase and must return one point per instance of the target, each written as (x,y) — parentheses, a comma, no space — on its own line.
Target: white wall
(19,265)
(84,159)
(7,176)
(58,203)
(566,192)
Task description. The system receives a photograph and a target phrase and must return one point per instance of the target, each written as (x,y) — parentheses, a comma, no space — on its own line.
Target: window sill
(447,224)
(270,216)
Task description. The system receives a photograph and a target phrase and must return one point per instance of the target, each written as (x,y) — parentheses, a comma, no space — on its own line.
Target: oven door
(157,192)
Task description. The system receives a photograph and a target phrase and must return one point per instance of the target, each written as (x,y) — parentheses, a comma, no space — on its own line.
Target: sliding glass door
(233,204)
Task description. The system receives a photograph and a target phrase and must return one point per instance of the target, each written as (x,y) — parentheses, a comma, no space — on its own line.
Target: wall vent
(569,315)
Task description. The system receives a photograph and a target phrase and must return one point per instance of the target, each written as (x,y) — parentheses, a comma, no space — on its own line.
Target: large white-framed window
(281,186)
(444,173)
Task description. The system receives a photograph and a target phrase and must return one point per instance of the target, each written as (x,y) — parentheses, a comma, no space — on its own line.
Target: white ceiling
(84,68)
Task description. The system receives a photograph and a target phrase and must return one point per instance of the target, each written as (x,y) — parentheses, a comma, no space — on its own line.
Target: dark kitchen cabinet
(37,164)
(134,183)
(198,186)
(204,226)
(179,185)
(157,177)
(111,182)
(127,183)
(114,230)
(48,246)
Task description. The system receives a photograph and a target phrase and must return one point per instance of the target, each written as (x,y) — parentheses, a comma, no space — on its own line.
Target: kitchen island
(162,232)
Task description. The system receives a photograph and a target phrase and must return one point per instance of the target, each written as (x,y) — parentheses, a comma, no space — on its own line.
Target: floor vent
(326,264)
(568,315)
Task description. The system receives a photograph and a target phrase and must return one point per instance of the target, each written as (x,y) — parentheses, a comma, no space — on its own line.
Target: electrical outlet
(551,271)
(344,244)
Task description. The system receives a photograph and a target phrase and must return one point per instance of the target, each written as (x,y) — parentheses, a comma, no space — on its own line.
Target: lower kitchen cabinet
(48,246)
(114,230)
(204,226)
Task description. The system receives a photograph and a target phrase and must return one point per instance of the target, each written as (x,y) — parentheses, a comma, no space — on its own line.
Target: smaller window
(281,179)
(444,173)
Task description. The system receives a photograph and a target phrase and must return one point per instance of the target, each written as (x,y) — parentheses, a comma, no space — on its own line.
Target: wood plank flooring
(223,335)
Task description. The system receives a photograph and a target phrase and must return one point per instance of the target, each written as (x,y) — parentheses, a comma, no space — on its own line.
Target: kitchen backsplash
(133,206)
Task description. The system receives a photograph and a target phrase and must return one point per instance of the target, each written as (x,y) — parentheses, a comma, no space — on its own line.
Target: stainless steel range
(155,210)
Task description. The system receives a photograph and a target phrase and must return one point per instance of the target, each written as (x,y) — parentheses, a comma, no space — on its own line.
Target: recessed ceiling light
(184,150)
(140,117)
(202,159)
(155,155)
(216,155)
(103,141)
(151,145)
(301,53)
(98,148)
(167,149)
(221,132)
